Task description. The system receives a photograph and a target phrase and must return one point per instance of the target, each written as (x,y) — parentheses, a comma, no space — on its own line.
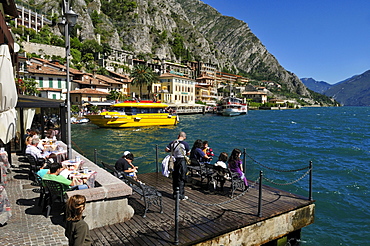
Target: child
(77,230)
(235,165)
(221,176)
(222,159)
(207,150)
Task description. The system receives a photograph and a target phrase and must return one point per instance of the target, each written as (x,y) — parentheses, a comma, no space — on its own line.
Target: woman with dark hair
(77,230)
(235,165)
(197,154)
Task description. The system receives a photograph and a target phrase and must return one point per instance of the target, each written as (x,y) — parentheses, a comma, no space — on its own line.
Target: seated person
(196,153)
(235,165)
(43,170)
(221,175)
(222,159)
(125,167)
(55,169)
(35,152)
(207,150)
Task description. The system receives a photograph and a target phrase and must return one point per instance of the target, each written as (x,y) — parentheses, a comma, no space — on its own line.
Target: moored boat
(135,114)
(232,106)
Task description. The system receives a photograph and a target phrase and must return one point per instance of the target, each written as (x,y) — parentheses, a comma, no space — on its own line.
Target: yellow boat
(135,114)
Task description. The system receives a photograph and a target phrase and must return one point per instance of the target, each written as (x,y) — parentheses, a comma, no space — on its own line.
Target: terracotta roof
(88,91)
(204,77)
(91,81)
(107,79)
(173,75)
(40,69)
(56,65)
(254,93)
(119,75)
(49,89)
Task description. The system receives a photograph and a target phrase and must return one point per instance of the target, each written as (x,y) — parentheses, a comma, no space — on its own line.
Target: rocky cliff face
(177,30)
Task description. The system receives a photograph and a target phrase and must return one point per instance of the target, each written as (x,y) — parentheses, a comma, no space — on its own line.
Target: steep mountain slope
(317,86)
(352,92)
(178,30)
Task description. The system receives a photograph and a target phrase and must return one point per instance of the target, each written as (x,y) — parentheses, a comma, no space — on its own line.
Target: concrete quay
(28,224)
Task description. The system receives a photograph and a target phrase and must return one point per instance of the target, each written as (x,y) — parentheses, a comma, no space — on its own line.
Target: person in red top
(207,150)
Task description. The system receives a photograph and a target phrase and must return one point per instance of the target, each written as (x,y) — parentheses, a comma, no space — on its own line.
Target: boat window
(130,110)
(117,109)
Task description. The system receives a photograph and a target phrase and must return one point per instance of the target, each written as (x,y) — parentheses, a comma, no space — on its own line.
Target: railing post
(156,158)
(177,210)
(310,184)
(245,161)
(260,195)
(95,156)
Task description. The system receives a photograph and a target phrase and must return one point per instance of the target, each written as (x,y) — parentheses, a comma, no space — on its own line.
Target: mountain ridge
(178,30)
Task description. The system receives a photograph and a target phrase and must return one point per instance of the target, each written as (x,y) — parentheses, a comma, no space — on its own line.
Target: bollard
(177,210)
(156,158)
(310,184)
(260,195)
(95,156)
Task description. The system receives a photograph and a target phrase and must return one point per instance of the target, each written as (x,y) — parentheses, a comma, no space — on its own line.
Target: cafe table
(72,165)
(88,176)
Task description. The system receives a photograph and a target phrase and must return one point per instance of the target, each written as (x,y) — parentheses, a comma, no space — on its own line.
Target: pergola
(26,102)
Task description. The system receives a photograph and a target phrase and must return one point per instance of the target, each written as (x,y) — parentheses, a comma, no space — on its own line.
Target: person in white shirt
(33,150)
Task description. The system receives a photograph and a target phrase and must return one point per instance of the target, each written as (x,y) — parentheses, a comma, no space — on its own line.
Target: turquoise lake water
(336,140)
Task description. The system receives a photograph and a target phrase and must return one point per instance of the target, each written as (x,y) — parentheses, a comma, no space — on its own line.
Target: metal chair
(34,165)
(56,192)
(41,189)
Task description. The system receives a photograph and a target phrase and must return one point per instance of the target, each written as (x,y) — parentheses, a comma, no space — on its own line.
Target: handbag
(171,163)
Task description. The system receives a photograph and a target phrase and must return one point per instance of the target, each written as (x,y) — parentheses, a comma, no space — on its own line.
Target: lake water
(336,140)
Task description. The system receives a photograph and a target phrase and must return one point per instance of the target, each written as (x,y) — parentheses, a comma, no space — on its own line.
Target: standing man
(180,149)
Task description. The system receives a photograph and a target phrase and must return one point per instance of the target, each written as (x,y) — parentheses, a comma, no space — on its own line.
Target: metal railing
(259,180)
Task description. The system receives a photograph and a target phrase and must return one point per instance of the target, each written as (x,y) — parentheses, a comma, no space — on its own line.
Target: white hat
(126,152)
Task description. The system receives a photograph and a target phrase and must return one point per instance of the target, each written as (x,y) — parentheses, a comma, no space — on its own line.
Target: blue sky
(328,40)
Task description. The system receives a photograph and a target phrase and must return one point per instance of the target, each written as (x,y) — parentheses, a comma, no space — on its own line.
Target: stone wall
(266,230)
(44,49)
(107,203)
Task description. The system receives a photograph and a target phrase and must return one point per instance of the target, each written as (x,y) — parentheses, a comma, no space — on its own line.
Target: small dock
(210,217)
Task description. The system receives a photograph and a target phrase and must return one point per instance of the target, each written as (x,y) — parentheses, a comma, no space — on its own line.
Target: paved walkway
(28,224)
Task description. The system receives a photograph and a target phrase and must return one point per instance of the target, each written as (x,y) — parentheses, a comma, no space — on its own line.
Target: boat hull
(233,111)
(138,120)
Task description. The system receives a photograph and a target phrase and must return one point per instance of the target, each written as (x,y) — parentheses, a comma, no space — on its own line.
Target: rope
(221,203)
(294,181)
(278,170)
(79,149)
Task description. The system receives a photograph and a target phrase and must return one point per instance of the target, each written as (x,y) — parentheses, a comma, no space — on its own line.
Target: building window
(60,83)
(51,82)
(41,82)
(76,99)
(89,99)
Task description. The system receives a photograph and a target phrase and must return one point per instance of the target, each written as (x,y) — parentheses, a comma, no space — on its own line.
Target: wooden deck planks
(197,222)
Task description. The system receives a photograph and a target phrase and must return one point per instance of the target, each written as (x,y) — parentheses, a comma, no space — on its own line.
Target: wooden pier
(202,222)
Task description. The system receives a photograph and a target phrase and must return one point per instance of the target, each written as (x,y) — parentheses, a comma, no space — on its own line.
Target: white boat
(232,106)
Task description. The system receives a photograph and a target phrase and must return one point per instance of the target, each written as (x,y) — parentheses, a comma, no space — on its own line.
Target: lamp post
(69,19)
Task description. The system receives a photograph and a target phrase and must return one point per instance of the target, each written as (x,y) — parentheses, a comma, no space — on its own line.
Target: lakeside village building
(180,85)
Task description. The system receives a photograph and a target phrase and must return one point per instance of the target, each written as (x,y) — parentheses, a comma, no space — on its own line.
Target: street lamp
(69,19)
